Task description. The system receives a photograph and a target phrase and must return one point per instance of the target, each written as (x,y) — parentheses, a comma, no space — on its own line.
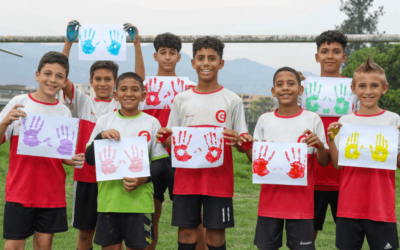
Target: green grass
(245,208)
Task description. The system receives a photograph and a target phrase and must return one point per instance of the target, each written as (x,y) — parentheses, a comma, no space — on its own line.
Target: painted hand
(178,149)
(352,144)
(342,105)
(214,152)
(136,161)
(297,170)
(66,146)
(87,46)
(115,46)
(313,97)
(30,135)
(107,166)
(73,30)
(132,31)
(380,153)
(260,164)
(183,88)
(152,98)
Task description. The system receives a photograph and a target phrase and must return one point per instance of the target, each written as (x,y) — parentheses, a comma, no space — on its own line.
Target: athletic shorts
(84,211)
(217,211)
(321,201)
(299,234)
(350,234)
(163,181)
(21,222)
(135,229)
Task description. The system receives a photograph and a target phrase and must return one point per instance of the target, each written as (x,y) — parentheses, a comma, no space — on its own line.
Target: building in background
(84,87)
(248,99)
(7,92)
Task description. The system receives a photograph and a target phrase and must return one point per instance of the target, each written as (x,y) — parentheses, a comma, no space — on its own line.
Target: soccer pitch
(245,209)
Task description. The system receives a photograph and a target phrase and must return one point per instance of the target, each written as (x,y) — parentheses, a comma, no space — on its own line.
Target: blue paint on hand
(115,46)
(72,30)
(132,32)
(87,46)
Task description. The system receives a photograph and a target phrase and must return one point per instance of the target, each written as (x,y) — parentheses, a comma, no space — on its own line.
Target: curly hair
(289,70)
(130,75)
(331,36)
(208,42)
(370,67)
(54,57)
(167,40)
(104,65)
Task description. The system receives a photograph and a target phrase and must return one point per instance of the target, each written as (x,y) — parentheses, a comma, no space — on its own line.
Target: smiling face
(330,56)
(51,78)
(286,88)
(207,63)
(103,83)
(129,93)
(368,87)
(167,58)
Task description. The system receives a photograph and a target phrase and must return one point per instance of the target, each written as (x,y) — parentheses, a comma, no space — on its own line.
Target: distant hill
(239,75)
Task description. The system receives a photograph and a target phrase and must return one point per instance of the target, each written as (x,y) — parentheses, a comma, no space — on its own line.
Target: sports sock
(185,246)
(223,247)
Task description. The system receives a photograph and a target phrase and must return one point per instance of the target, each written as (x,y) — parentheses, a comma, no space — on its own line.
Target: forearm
(323,156)
(249,154)
(167,142)
(67,47)
(240,149)
(398,161)
(157,166)
(68,162)
(139,63)
(89,154)
(3,129)
(334,154)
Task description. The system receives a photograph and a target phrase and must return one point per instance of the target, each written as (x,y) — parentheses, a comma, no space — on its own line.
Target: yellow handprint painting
(351,150)
(381,149)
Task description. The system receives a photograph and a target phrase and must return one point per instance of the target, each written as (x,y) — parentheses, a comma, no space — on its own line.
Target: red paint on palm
(298,168)
(152,98)
(182,85)
(213,148)
(165,136)
(185,156)
(260,164)
(247,145)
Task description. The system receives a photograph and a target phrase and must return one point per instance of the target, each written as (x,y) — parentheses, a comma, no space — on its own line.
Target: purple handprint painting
(66,147)
(31,135)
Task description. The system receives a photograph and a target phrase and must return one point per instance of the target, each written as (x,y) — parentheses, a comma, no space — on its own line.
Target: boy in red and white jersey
(280,203)
(103,76)
(367,195)
(35,186)
(207,105)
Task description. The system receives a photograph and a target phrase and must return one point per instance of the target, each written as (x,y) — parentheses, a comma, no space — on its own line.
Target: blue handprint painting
(48,136)
(102,42)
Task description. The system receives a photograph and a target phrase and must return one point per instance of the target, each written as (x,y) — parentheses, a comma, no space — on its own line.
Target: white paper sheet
(368,146)
(115,160)
(48,136)
(161,90)
(197,147)
(102,42)
(282,163)
(327,96)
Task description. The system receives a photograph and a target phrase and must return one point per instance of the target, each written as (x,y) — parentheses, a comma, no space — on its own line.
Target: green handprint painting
(342,105)
(313,96)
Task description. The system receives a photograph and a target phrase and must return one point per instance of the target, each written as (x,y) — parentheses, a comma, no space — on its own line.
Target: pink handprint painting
(136,160)
(107,165)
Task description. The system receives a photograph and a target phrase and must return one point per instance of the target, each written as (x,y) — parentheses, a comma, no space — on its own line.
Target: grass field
(239,237)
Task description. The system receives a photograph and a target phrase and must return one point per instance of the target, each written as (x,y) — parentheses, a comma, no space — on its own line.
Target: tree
(261,106)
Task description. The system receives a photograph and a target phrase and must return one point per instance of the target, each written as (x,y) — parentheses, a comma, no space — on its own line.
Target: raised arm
(133,34)
(72,34)
(333,130)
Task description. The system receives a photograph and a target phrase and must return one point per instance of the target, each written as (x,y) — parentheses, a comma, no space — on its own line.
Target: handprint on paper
(314,96)
(66,146)
(214,152)
(31,135)
(182,85)
(181,147)
(260,164)
(380,153)
(326,111)
(166,106)
(115,46)
(342,105)
(298,168)
(107,166)
(152,98)
(87,46)
(352,144)
(136,161)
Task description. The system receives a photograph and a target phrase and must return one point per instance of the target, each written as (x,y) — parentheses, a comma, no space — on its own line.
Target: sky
(206,17)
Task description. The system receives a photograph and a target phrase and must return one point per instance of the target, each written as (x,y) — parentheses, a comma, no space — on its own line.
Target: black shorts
(350,234)
(299,234)
(84,210)
(163,181)
(217,211)
(21,222)
(321,201)
(134,228)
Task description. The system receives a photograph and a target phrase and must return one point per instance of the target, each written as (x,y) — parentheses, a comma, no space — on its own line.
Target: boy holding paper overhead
(367,195)
(207,105)
(126,208)
(280,203)
(35,186)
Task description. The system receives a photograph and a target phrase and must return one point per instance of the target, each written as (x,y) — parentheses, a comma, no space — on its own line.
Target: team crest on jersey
(302,139)
(145,133)
(115,110)
(221,116)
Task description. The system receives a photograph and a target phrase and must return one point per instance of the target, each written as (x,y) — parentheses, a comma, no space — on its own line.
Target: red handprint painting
(152,96)
(214,148)
(180,148)
(298,168)
(108,166)
(180,87)
(136,161)
(260,163)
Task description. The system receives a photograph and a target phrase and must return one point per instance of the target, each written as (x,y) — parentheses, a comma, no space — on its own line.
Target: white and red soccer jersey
(221,108)
(368,193)
(33,181)
(89,110)
(284,201)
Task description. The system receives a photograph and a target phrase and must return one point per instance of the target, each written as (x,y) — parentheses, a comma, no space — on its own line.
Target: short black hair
(331,36)
(208,42)
(289,70)
(104,65)
(168,40)
(54,57)
(132,75)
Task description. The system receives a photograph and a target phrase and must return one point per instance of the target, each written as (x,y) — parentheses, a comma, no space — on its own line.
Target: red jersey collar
(207,92)
(381,113)
(102,100)
(291,116)
(45,103)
